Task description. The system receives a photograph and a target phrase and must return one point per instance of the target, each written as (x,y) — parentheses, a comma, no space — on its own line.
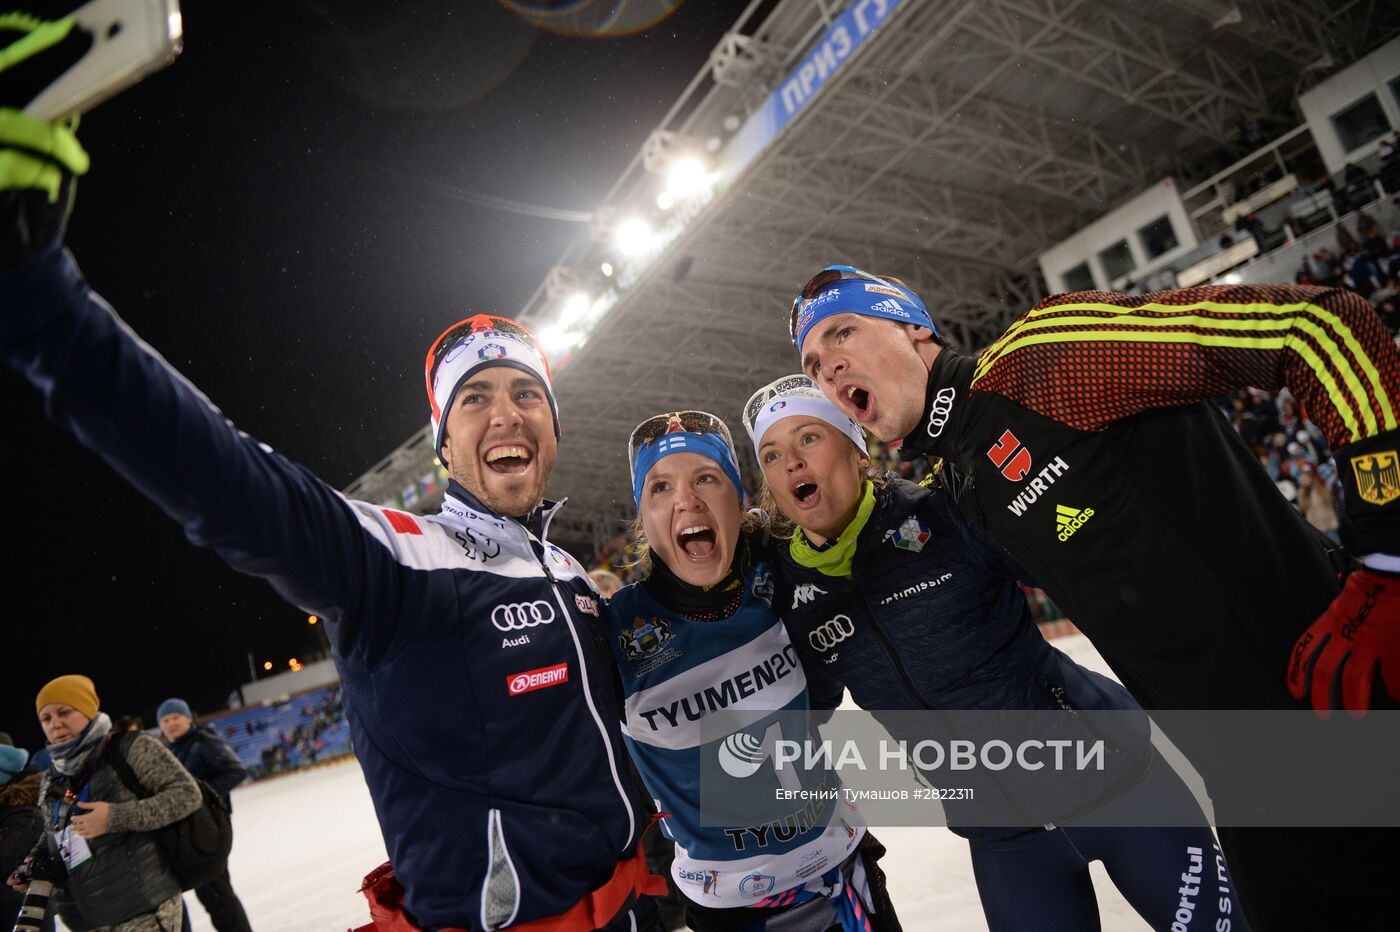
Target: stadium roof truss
(959,140)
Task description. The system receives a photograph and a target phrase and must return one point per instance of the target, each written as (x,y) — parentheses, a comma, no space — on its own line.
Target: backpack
(196,847)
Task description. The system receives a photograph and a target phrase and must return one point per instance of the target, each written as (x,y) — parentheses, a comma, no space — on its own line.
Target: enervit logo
(1010,457)
(1070,519)
(539,678)
(828,634)
(741,754)
(805,593)
(939,411)
(517,616)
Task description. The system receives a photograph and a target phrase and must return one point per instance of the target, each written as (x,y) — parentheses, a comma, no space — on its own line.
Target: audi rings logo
(828,634)
(940,409)
(517,616)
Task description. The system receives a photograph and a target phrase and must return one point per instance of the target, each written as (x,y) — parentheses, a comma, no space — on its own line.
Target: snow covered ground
(303,843)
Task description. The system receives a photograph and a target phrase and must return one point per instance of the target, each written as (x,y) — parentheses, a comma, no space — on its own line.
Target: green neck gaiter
(835,560)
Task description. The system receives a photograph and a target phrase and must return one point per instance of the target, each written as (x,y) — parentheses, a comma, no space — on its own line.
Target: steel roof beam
(1127,57)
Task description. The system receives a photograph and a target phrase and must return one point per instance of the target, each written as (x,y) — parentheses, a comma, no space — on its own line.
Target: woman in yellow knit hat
(117,879)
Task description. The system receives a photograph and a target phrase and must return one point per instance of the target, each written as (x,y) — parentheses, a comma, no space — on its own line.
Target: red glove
(1358,634)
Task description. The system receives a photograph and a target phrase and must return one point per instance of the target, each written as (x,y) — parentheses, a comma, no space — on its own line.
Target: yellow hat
(74,689)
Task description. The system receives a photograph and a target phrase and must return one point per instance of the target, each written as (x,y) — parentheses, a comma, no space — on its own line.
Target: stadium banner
(847,33)
(763,770)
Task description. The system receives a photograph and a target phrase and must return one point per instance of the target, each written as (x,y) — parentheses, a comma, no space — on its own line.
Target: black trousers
(224,908)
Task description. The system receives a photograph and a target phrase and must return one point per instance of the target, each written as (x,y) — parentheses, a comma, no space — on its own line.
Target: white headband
(795,396)
(477,351)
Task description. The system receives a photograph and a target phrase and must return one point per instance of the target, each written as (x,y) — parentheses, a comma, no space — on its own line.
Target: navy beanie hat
(172,707)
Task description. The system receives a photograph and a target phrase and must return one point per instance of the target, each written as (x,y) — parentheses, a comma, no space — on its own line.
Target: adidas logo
(1071,519)
(890,306)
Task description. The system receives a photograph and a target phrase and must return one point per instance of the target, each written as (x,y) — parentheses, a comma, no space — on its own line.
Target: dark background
(286,215)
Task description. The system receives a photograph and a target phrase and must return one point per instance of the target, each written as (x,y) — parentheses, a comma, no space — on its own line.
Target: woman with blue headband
(706,667)
(885,586)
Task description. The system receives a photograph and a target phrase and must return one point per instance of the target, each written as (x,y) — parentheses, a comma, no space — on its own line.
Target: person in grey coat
(117,878)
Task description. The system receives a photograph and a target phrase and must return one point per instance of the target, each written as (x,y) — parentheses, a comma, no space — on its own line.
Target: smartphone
(130,40)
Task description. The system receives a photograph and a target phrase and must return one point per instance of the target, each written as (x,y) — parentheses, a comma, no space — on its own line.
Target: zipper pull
(541,556)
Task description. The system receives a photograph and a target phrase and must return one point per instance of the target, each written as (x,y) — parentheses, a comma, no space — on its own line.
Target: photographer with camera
(21,824)
(115,876)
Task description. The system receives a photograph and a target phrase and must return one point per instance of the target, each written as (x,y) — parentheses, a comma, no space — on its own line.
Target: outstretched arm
(263,514)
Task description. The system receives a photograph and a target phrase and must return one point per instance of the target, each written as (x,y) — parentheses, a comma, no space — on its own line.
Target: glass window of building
(1362,122)
(1117,260)
(1080,278)
(1158,237)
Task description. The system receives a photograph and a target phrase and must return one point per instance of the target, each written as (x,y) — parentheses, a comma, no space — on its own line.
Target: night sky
(286,214)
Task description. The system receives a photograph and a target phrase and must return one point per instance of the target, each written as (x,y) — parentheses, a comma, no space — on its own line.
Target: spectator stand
(287,734)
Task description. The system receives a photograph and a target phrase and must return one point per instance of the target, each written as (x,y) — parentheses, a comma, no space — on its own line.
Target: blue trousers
(1176,878)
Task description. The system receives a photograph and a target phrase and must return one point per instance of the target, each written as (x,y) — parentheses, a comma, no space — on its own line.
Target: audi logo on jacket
(943,627)
(482,711)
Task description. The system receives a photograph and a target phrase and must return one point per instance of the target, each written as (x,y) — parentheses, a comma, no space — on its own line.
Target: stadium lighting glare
(686,177)
(574,309)
(665,200)
(556,339)
(633,237)
(607,269)
(597,309)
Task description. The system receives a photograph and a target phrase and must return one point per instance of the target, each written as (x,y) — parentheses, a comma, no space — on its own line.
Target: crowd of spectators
(1367,263)
(302,745)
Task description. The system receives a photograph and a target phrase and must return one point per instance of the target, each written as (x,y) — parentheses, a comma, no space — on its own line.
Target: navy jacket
(931,620)
(210,758)
(481,708)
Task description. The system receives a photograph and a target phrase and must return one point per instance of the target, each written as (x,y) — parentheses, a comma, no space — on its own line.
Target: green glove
(38,160)
(35,155)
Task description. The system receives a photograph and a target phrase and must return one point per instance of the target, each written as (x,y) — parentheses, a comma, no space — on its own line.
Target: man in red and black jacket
(1083,442)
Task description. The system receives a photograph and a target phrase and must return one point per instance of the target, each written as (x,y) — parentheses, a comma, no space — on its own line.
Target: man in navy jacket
(482,711)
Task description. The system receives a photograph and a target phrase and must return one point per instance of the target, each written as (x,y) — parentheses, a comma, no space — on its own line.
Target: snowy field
(303,843)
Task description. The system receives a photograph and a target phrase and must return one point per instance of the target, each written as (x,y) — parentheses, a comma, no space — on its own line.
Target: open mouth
(804,492)
(508,460)
(859,399)
(698,541)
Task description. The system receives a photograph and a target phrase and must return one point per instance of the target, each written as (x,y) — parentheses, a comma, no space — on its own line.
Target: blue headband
(867,298)
(711,445)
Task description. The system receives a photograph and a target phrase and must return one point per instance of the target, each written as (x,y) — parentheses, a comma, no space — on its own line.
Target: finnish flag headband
(681,432)
(794,396)
(474,344)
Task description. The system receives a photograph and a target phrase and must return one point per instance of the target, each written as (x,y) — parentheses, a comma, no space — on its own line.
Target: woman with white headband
(706,666)
(885,586)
